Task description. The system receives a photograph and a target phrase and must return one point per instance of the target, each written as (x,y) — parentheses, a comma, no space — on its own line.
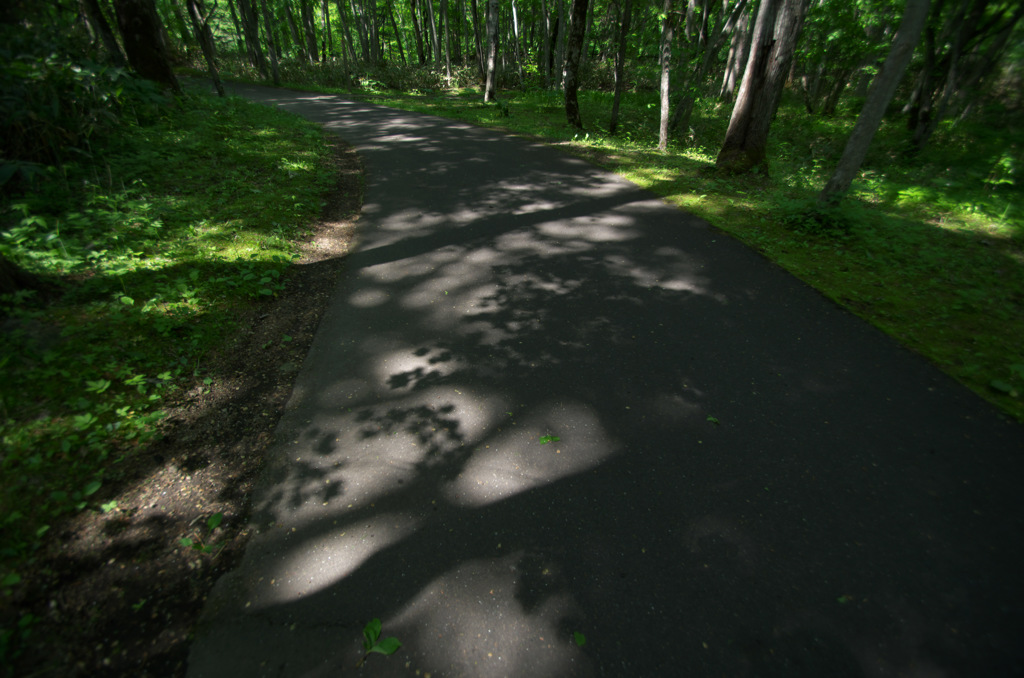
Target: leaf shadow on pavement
(747,481)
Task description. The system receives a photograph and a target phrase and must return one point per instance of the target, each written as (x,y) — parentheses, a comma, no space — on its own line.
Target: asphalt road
(741,478)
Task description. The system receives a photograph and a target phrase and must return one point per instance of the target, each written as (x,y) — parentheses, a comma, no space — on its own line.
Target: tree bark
(879,95)
(102,26)
(251,28)
(771,53)
(570,71)
(201,27)
(665,63)
(737,58)
(626,8)
(268,29)
(144,45)
(417,34)
(491,85)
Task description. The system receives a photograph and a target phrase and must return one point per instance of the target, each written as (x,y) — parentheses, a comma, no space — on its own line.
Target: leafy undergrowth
(929,248)
(152,245)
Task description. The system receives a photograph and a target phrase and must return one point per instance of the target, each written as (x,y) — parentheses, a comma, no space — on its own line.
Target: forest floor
(121,595)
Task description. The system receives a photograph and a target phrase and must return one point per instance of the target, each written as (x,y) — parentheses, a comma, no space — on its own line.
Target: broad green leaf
(127,301)
(544,440)
(215,520)
(1001,386)
(10,579)
(91,488)
(371,632)
(580,639)
(387,646)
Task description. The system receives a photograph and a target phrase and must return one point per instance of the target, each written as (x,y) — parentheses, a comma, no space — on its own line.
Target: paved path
(748,481)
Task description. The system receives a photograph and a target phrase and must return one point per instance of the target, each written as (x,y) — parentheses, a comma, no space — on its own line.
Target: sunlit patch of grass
(158,243)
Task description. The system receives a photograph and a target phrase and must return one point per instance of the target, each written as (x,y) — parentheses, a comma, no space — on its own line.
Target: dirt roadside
(116,594)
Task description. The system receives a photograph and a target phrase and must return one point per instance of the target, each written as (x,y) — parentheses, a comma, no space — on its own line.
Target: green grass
(930,249)
(158,241)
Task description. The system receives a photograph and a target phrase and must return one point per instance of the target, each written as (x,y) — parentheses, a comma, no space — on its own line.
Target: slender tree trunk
(491,84)
(446,39)
(481,65)
(141,31)
(239,36)
(435,40)
(879,95)
(625,11)
(251,27)
(106,34)
(665,64)
(515,38)
(737,59)
(309,29)
(201,27)
(771,52)
(268,30)
(394,27)
(416,33)
(570,71)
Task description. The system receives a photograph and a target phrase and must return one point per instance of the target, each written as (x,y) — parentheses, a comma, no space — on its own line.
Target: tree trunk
(268,29)
(239,36)
(771,52)
(102,26)
(879,95)
(417,34)
(394,27)
(435,41)
(201,28)
(251,27)
(491,84)
(625,10)
(481,66)
(309,29)
(739,47)
(570,71)
(665,63)
(144,46)
(446,38)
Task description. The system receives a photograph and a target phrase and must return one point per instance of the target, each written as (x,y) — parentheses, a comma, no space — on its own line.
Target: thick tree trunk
(879,95)
(446,38)
(570,71)
(665,63)
(625,11)
(491,83)
(142,33)
(201,27)
(771,53)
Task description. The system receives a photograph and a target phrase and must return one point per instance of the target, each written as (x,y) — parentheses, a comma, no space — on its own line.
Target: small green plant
(544,440)
(212,523)
(579,638)
(372,642)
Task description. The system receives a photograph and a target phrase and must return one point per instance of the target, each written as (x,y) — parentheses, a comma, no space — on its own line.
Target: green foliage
(153,246)
(197,542)
(372,642)
(54,104)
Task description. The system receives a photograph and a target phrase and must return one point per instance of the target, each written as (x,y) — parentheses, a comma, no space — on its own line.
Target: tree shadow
(557,404)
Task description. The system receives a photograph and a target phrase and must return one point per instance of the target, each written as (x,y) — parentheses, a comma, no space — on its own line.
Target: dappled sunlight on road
(543,401)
